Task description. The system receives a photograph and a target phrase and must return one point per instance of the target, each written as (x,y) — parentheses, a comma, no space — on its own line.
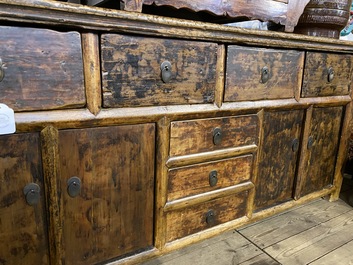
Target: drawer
(203,216)
(42,69)
(257,73)
(205,177)
(132,75)
(327,74)
(195,136)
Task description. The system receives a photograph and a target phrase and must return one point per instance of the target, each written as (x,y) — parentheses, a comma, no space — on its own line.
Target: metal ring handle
(32,193)
(2,71)
(74,187)
(330,74)
(166,71)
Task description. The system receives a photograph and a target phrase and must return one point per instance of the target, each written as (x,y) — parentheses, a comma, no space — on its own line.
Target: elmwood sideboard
(139,134)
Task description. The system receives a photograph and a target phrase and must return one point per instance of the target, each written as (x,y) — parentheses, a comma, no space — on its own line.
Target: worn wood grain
(91,66)
(278,157)
(52,184)
(244,73)
(220,73)
(195,136)
(320,164)
(195,179)
(315,82)
(113,215)
(191,220)
(131,71)
(43,69)
(23,228)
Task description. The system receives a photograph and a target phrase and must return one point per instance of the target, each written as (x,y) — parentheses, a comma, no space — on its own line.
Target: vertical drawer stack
(210,171)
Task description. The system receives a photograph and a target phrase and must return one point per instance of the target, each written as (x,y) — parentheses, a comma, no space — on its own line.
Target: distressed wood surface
(320,164)
(191,220)
(195,179)
(23,228)
(131,71)
(91,66)
(113,215)
(244,67)
(43,69)
(195,136)
(315,82)
(278,159)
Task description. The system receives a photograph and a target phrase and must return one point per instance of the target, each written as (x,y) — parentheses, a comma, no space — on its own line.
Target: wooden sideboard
(139,134)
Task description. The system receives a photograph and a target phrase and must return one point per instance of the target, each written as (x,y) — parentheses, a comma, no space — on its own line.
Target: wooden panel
(278,158)
(43,69)
(324,130)
(191,220)
(113,215)
(22,227)
(316,82)
(244,68)
(194,179)
(131,70)
(194,136)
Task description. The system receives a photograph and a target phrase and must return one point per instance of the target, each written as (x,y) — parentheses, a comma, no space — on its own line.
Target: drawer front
(257,73)
(327,74)
(42,68)
(200,217)
(132,75)
(195,136)
(205,177)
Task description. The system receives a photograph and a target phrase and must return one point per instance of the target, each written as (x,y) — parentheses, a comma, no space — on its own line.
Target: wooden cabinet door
(278,157)
(23,236)
(319,157)
(113,214)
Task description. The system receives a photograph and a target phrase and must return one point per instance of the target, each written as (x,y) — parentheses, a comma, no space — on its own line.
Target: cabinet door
(113,214)
(278,157)
(23,238)
(321,150)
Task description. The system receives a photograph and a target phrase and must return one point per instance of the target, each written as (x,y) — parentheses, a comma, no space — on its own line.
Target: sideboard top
(88,18)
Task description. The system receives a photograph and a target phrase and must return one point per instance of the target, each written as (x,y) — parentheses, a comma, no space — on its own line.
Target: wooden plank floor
(317,233)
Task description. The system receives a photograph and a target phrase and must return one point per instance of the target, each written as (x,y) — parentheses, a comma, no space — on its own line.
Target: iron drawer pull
(2,71)
(32,193)
(74,187)
(166,71)
(330,74)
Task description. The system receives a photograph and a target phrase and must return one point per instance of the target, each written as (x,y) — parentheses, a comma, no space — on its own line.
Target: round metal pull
(295,145)
(265,74)
(310,142)
(2,71)
(330,74)
(217,136)
(210,217)
(213,178)
(74,187)
(32,193)
(166,71)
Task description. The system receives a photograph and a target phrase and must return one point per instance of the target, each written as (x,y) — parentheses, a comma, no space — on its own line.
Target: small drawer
(205,177)
(195,136)
(257,73)
(197,218)
(327,74)
(41,69)
(140,71)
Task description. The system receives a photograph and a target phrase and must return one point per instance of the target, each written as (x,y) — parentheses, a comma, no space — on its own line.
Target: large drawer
(258,73)
(327,74)
(195,136)
(42,69)
(197,179)
(132,71)
(194,219)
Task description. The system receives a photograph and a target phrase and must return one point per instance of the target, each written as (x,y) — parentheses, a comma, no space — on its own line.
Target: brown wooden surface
(315,82)
(131,70)
(320,164)
(194,179)
(191,220)
(23,235)
(195,136)
(113,215)
(277,161)
(43,69)
(243,76)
